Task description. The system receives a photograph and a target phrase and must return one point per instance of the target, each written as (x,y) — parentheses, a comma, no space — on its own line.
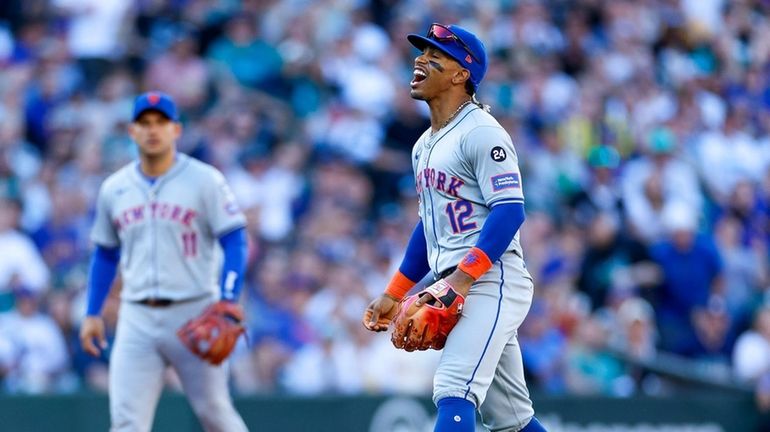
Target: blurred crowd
(642,130)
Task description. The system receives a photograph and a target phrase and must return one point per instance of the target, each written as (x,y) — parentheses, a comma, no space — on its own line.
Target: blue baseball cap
(156,101)
(459,44)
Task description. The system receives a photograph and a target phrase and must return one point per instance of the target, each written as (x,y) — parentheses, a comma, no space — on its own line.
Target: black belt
(446,273)
(156,302)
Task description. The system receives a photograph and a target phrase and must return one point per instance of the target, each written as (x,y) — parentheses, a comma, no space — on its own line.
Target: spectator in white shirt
(33,352)
(751,355)
(657,175)
(21,264)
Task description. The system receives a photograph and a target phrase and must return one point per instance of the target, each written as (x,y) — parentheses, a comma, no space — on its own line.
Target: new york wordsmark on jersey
(461,172)
(166,230)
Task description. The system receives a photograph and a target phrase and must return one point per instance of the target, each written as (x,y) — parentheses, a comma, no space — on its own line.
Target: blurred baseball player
(160,218)
(471,206)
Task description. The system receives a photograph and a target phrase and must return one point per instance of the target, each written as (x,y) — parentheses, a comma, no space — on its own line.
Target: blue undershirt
(503,222)
(104,265)
(415,263)
(235,248)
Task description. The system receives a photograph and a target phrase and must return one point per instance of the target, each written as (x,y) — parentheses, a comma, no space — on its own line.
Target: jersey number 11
(190,243)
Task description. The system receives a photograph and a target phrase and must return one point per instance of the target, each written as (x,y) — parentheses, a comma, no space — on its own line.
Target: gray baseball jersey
(166,230)
(461,172)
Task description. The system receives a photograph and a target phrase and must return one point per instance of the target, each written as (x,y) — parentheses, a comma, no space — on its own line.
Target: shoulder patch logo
(505,181)
(498,154)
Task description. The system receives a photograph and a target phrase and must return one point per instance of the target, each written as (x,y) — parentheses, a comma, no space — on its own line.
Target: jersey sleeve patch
(505,181)
(498,154)
(230,203)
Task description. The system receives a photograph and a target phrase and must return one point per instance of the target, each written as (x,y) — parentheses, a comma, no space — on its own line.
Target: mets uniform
(461,172)
(166,230)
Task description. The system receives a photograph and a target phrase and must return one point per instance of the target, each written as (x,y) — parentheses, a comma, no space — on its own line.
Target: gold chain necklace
(452,117)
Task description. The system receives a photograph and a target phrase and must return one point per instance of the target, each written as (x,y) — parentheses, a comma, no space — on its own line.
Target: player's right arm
(104,266)
(413,268)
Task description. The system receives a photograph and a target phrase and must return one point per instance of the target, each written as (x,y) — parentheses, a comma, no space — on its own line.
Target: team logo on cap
(468,59)
(153,98)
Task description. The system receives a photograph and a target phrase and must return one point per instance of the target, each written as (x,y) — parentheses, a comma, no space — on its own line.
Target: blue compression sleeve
(415,264)
(104,265)
(500,227)
(235,248)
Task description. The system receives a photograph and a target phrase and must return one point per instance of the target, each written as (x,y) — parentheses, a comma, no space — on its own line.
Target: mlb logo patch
(505,181)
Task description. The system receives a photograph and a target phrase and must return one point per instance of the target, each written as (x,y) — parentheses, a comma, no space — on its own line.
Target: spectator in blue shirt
(691,267)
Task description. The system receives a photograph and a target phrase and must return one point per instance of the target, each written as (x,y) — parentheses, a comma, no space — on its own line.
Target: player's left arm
(494,163)
(212,335)
(228,223)
(235,248)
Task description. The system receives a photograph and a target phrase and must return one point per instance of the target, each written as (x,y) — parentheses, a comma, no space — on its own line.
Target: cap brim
(420,42)
(165,114)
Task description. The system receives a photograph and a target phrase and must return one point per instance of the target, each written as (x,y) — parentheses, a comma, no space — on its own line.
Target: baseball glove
(213,334)
(427,326)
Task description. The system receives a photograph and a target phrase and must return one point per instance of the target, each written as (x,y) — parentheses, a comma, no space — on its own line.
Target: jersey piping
(430,194)
(494,326)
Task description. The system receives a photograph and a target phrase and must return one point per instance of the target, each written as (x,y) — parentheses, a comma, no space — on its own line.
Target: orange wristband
(475,263)
(399,286)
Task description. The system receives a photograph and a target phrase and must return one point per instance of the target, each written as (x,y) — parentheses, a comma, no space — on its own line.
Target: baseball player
(160,218)
(471,206)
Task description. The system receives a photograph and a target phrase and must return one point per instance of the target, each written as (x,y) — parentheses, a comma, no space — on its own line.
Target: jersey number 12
(459,212)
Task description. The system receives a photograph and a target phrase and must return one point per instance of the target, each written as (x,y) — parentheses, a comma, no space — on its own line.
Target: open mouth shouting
(420,75)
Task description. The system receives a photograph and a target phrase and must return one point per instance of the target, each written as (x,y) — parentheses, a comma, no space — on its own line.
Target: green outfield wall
(698,413)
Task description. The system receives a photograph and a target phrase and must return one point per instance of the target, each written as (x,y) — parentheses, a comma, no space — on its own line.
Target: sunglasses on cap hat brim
(442,33)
